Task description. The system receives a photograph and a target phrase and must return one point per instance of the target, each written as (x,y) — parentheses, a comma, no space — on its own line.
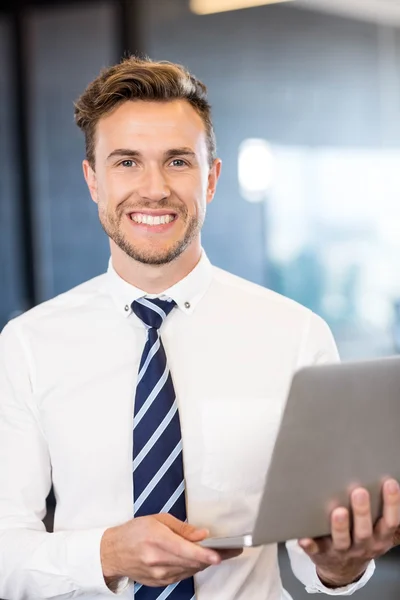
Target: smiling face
(152,179)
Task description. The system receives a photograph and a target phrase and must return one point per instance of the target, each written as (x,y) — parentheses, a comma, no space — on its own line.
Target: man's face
(152,179)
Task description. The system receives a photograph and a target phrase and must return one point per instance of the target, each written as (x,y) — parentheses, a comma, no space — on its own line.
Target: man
(150,396)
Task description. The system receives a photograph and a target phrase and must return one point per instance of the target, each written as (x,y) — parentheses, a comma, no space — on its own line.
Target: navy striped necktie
(158,479)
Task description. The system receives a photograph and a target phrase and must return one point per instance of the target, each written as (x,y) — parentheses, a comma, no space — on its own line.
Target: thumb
(309,546)
(198,535)
(181,528)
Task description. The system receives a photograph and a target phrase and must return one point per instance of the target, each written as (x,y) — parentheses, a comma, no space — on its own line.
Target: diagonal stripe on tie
(150,486)
(181,589)
(156,390)
(155,457)
(153,418)
(160,429)
(150,355)
(167,507)
(168,591)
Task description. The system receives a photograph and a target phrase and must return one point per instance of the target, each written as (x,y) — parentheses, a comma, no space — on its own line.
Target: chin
(152,252)
(152,256)
(155,259)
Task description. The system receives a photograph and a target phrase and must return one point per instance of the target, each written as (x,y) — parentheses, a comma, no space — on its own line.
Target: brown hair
(140,79)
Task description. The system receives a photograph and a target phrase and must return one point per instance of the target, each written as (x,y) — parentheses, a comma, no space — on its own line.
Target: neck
(154,279)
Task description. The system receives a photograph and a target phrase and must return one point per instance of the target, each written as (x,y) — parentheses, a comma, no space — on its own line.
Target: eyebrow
(184,151)
(180,152)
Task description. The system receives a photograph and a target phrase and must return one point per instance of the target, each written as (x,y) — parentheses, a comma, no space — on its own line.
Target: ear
(213,177)
(91,179)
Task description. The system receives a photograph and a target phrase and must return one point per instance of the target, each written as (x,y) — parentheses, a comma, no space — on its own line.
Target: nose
(153,185)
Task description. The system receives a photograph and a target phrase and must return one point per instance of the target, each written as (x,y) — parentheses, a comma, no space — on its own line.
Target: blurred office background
(306,99)
(306,104)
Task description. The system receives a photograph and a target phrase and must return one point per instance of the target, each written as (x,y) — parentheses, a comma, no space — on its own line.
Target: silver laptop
(340,429)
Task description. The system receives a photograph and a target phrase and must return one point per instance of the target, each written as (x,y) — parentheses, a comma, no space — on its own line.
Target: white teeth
(150,220)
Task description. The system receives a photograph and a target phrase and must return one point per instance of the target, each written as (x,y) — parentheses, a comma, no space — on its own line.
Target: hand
(396,537)
(156,551)
(343,557)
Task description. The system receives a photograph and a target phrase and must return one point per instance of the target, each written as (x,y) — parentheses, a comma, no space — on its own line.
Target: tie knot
(152,311)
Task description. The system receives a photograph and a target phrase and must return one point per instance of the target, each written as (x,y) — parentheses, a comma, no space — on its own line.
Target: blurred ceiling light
(206,7)
(256,166)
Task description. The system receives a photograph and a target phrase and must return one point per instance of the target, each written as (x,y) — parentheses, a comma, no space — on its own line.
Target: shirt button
(187,304)
(127,307)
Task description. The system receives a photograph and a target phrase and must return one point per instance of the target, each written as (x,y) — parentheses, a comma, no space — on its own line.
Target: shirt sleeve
(33,562)
(319,347)
(306,572)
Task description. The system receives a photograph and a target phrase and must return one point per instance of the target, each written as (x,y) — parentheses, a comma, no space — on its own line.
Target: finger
(181,527)
(391,503)
(227,554)
(310,547)
(340,529)
(173,549)
(390,520)
(189,553)
(162,576)
(198,535)
(362,520)
(178,556)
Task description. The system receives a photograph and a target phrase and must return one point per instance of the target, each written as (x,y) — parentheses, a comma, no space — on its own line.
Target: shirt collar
(186,293)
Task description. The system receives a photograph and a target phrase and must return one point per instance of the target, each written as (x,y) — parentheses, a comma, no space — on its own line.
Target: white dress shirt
(68,372)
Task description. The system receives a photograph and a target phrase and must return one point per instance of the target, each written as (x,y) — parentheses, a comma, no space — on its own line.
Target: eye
(179,162)
(127,163)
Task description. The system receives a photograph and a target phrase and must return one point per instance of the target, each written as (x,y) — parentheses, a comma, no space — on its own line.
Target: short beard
(110,225)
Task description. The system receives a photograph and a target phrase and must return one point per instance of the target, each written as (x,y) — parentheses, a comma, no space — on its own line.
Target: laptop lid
(340,429)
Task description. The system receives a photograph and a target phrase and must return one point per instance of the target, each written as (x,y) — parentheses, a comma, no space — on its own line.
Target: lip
(152,213)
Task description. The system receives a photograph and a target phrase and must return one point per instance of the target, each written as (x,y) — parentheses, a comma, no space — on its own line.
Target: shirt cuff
(317,587)
(84,562)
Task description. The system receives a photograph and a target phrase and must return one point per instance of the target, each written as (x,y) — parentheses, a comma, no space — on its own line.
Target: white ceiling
(381,11)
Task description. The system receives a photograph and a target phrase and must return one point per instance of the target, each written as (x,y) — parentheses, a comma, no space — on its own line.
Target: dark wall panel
(11,292)
(69,45)
(290,76)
